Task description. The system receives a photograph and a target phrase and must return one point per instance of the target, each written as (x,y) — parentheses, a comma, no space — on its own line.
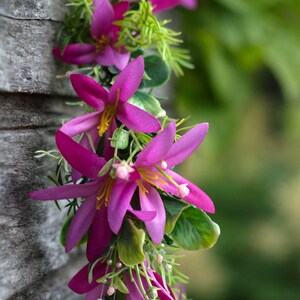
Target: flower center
(108,115)
(104,193)
(152,177)
(101,43)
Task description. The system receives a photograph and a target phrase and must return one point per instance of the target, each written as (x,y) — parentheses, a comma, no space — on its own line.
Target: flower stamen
(104,193)
(102,43)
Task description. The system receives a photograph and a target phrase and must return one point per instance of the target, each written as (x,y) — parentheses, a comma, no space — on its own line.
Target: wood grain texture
(33,263)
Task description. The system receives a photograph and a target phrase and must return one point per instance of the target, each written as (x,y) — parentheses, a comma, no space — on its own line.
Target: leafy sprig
(141,29)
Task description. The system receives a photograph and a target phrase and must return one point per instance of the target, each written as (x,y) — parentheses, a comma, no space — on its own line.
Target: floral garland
(115,162)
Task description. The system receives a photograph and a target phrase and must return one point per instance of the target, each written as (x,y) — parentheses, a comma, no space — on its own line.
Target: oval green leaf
(130,244)
(194,230)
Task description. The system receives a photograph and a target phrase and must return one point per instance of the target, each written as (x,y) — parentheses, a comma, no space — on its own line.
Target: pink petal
(163,293)
(99,235)
(195,197)
(119,203)
(102,19)
(128,81)
(151,201)
(142,215)
(88,90)
(134,289)
(120,9)
(67,191)
(77,54)
(137,119)
(81,222)
(80,284)
(161,5)
(106,58)
(190,4)
(121,58)
(81,124)
(97,293)
(186,145)
(79,158)
(159,146)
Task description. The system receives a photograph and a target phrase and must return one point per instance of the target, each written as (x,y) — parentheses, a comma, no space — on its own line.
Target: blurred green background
(246,84)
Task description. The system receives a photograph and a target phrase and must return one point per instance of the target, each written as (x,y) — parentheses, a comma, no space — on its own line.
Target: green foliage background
(246,84)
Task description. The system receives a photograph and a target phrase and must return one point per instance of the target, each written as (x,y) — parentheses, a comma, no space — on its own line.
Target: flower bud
(160,258)
(164,165)
(183,190)
(153,294)
(118,265)
(168,267)
(111,290)
(123,170)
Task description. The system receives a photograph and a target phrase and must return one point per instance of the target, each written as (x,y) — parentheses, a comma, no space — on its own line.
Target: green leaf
(130,244)
(120,285)
(120,139)
(174,208)
(106,168)
(64,232)
(157,70)
(147,103)
(194,230)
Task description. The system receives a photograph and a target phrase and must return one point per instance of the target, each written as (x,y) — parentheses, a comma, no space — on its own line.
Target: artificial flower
(153,171)
(111,105)
(104,35)
(93,290)
(92,213)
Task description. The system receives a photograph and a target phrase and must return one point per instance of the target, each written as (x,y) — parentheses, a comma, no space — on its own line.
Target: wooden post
(33,264)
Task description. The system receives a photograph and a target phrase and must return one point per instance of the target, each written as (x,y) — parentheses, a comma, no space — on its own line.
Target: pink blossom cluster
(107,182)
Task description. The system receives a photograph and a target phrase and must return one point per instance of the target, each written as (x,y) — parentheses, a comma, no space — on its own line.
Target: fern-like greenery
(141,29)
(77,22)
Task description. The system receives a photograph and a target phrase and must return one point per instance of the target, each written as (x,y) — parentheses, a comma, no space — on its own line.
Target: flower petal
(190,4)
(159,146)
(161,5)
(121,58)
(99,235)
(137,119)
(81,124)
(89,90)
(97,293)
(195,197)
(106,58)
(151,201)
(84,161)
(186,145)
(67,191)
(143,215)
(80,284)
(81,222)
(133,288)
(128,81)
(77,54)
(119,203)
(102,19)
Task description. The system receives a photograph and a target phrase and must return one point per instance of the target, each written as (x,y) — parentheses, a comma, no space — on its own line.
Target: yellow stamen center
(101,43)
(152,177)
(104,193)
(108,115)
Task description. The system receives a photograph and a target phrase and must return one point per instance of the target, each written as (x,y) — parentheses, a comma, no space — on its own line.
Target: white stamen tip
(169,267)
(111,290)
(160,258)
(123,170)
(183,190)
(164,165)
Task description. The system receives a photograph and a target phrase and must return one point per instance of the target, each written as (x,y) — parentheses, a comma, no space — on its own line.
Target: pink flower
(161,5)
(93,290)
(104,35)
(112,104)
(149,176)
(92,215)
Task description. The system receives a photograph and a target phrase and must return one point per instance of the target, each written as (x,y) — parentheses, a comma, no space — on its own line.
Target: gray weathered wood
(29,235)
(33,9)
(27,64)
